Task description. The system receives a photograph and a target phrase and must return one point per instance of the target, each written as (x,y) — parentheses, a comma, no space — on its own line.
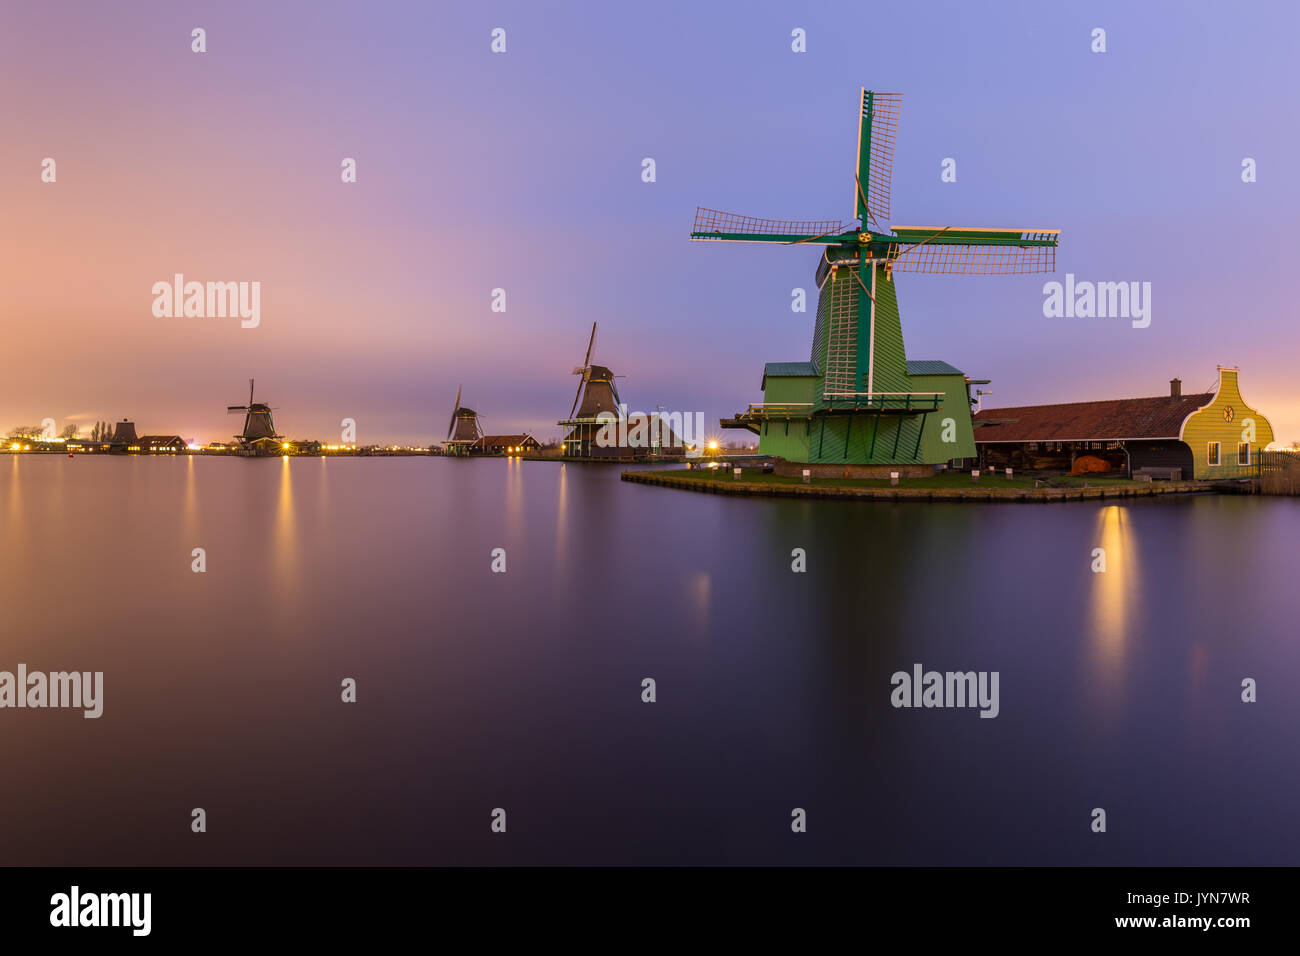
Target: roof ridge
(1099,401)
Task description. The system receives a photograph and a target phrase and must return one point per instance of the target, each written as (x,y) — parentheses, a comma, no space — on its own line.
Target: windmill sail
(877,133)
(949,251)
(711,224)
(455,407)
(584,370)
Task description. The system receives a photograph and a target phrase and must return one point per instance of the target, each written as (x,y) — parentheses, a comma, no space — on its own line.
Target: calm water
(522,690)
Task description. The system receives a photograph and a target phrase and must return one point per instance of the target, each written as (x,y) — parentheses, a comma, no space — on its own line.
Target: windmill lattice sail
(712,224)
(879,121)
(951,254)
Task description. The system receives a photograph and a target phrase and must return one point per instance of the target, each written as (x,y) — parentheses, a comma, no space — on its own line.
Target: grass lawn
(939,480)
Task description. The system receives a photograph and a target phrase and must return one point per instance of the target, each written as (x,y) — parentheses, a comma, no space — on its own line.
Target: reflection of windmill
(858,368)
(462,430)
(258,436)
(599,404)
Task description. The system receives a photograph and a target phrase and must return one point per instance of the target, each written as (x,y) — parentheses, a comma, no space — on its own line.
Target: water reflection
(190,508)
(515,500)
(286,538)
(1113,608)
(561,517)
(15,495)
(774,685)
(700,598)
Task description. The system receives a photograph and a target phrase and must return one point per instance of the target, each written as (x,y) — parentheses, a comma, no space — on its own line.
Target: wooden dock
(976,492)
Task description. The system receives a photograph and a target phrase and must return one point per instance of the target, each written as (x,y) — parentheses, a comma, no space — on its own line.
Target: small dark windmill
(462,430)
(596,389)
(259,436)
(596,403)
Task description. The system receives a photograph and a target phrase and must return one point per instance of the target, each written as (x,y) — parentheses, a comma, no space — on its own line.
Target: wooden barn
(1204,435)
(505,445)
(161,444)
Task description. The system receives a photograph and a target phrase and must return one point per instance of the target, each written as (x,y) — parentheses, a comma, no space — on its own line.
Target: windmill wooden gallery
(859,407)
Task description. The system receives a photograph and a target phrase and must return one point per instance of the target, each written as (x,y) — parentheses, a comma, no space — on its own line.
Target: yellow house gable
(1227,429)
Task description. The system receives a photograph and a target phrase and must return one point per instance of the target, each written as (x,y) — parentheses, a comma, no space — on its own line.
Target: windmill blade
(451,427)
(232,409)
(877,133)
(581,382)
(250,391)
(710,224)
(591,345)
(964,251)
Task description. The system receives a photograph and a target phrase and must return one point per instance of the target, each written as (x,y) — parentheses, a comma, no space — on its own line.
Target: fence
(1279,472)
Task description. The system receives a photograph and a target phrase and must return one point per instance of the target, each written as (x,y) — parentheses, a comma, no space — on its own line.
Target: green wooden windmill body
(858,400)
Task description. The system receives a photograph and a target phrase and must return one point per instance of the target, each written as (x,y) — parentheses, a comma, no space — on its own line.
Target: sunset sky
(522,171)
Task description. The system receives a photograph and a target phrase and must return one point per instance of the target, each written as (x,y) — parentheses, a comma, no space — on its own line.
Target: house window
(1243,453)
(1033,446)
(1212,453)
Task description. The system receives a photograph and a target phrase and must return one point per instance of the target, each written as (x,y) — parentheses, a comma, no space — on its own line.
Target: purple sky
(523,171)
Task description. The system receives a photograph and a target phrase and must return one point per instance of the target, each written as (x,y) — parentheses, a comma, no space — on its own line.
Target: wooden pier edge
(974,493)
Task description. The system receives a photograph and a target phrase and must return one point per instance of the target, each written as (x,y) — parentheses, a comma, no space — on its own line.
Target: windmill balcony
(764,410)
(893,403)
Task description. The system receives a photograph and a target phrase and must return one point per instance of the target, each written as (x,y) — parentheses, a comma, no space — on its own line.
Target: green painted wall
(956,406)
(1229,421)
(789,440)
(859,438)
(844,346)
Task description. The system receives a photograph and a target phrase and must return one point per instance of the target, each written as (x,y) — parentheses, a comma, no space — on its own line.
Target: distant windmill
(599,400)
(259,436)
(596,389)
(462,430)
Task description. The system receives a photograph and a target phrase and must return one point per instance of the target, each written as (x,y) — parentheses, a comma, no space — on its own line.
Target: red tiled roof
(1160,417)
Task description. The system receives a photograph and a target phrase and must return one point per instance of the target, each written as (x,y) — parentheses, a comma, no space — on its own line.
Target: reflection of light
(713,446)
(286,532)
(700,594)
(191,498)
(562,519)
(1113,603)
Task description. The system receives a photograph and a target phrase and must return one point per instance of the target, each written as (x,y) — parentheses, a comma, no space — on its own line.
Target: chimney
(1175,388)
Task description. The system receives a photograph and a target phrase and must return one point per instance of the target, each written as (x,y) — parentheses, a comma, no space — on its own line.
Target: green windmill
(858,400)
